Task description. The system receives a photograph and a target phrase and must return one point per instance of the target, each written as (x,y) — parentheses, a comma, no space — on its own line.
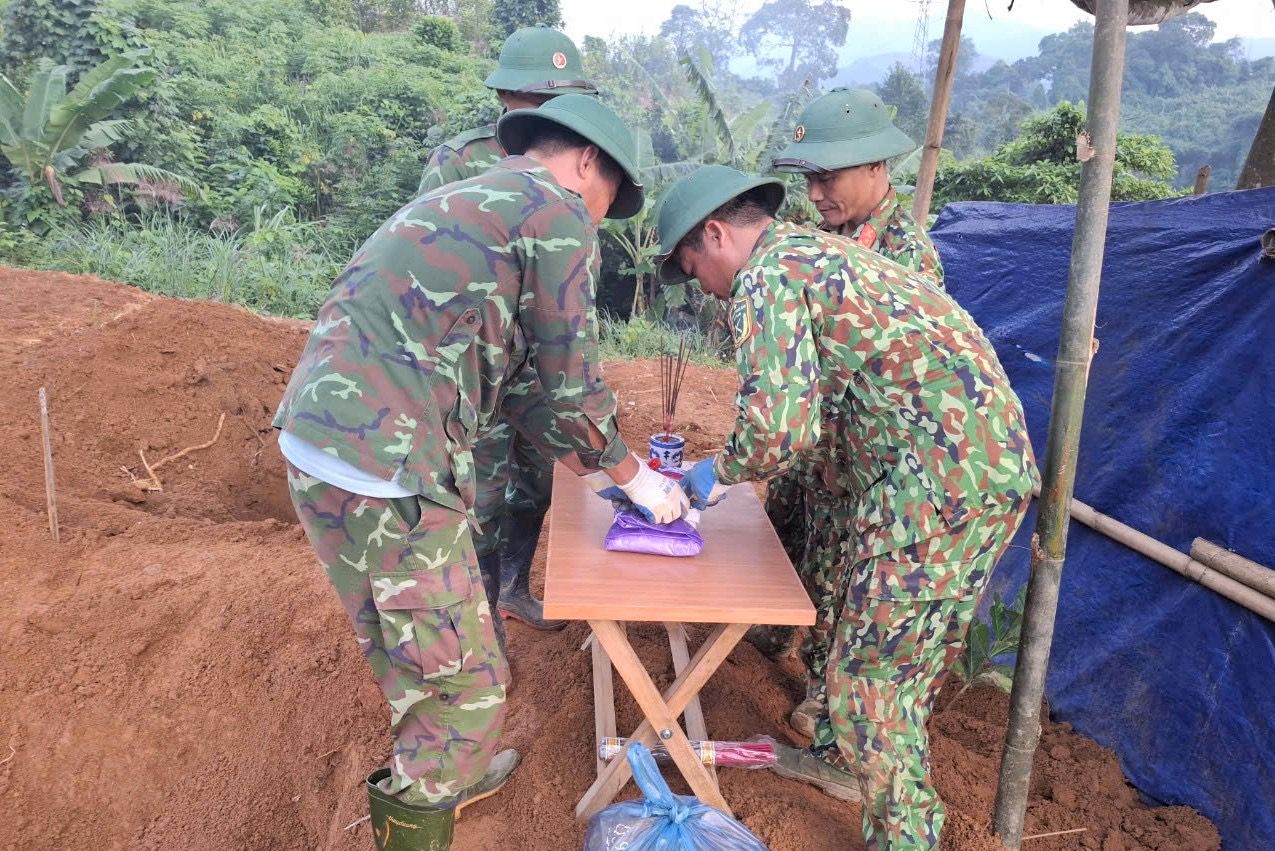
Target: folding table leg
(696,729)
(706,660)
(603,699)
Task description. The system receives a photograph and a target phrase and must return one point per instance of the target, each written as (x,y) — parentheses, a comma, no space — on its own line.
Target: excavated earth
(177,673)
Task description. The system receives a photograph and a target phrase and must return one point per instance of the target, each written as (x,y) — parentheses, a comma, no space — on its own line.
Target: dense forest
(240,149)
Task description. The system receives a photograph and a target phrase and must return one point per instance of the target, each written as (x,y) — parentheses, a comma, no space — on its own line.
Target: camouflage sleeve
(443,167)
(526,407)
(556,311)
(777,406)
(927,260)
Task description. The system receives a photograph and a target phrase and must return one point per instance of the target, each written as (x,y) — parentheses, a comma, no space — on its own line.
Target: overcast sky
(1247,18)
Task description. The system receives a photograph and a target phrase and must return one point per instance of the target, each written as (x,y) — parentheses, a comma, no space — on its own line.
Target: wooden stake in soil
(50,492)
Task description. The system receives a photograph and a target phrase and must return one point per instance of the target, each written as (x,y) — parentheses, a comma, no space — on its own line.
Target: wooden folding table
(743,577)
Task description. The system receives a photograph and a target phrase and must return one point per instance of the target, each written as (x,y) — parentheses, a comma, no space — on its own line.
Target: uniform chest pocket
(460,336)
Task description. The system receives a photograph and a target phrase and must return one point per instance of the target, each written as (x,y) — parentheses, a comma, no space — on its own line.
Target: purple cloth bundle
(633,533)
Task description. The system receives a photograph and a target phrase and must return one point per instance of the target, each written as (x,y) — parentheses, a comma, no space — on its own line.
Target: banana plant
(636,235)
(49,135)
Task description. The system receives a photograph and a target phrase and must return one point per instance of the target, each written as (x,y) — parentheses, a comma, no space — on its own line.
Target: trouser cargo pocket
(422,620)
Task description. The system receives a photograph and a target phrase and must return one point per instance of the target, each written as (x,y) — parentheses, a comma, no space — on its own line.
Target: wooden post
(939,101)
(1254,575)
(1259,165)
(1202,180)
(50,492)
(1071,379)
(603,699)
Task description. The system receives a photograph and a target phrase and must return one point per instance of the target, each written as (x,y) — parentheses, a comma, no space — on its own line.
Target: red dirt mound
(179,675)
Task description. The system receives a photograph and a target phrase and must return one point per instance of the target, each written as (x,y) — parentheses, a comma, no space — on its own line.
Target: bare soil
(177,673)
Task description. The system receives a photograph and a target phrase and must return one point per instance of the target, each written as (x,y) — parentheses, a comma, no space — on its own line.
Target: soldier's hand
(701,484)
(657,496)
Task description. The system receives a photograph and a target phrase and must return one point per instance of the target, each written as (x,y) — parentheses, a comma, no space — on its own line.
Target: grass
(275,267)
(644,338)
(272,266)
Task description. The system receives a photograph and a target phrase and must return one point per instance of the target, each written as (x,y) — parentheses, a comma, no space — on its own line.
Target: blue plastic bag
(664,821)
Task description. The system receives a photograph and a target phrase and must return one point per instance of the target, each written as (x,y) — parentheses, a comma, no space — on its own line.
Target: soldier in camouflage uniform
(536,65)
(842,142)
(924,430)
(473,301)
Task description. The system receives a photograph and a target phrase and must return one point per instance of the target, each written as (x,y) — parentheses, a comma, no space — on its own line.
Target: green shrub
(642,338)
(441,33)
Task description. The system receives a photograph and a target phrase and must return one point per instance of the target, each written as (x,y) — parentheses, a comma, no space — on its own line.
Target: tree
(903,91)
(966,60)
(50,137)
(692,30)
(64,31)
(797,39)
(510,15)
(997,119)
(1040,166)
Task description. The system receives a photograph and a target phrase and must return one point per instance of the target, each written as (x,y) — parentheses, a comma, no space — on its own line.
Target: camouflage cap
(689,201)
(844,128)
(593,120)
(539,60)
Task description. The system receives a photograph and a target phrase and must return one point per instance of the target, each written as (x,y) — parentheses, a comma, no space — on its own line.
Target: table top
(742,575)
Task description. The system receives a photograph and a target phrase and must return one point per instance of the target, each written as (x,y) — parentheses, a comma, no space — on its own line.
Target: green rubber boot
(399,827)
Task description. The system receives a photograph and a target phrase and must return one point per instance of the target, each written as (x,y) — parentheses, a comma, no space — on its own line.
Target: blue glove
(701,484)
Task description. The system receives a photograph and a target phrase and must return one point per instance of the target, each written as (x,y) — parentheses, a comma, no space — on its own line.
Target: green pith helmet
(593,120)
(844,128)
(689,201)
(539,60)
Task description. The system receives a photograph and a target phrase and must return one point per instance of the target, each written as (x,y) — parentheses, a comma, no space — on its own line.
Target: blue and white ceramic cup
(667,449)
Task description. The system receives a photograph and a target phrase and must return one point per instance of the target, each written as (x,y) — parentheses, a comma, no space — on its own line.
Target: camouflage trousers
(815,528)
(407,576)
(514,477)
(894,642)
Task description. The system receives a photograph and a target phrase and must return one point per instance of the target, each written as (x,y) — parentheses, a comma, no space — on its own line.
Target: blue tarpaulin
(1178,442)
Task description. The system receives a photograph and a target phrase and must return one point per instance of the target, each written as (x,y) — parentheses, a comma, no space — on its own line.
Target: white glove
(659,498)
(604,487)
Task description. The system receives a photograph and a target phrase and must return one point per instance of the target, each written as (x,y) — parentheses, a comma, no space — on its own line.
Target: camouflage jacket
(832,336)
(892,232)
(461,157)
(411,355)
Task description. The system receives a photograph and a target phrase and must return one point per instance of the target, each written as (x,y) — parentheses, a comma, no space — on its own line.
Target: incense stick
(672,373)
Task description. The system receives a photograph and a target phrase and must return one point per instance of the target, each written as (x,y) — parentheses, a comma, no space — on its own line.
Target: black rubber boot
(774,642)
(401,827)
(516,600)
(489,567)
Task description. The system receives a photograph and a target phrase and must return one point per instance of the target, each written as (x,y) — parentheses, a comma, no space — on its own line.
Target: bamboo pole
(50,491)
(942,96)
(1075,350)
(1179,562)
(1256,576)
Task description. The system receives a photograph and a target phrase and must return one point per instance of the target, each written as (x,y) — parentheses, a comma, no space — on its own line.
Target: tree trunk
(1259,168)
